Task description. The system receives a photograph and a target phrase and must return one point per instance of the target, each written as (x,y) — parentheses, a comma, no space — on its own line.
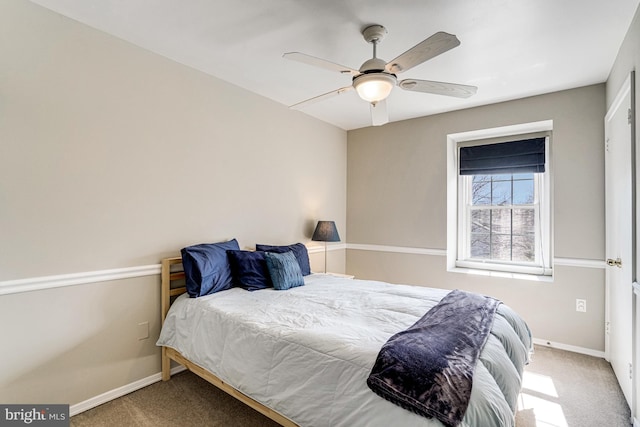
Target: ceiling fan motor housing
(373,64)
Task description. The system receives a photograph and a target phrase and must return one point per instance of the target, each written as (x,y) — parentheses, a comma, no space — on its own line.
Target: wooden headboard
(167,277)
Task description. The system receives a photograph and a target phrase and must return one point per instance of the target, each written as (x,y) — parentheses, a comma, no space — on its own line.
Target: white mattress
(306,352)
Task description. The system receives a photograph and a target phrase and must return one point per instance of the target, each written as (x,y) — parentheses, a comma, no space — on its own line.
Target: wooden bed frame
(169,354)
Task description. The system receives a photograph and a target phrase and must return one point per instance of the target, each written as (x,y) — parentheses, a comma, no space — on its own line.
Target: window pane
(524,248)
(523,192)
(524,221)
(501,193)
(480,220)
(480,247)
(501,247)
(501,221)
(481,190)
(506,177)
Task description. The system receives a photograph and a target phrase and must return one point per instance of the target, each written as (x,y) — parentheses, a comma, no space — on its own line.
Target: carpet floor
(560,389)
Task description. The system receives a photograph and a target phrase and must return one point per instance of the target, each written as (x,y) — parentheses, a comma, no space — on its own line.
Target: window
(498,208)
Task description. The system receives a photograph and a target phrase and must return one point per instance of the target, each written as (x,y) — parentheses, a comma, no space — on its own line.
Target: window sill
(501,274)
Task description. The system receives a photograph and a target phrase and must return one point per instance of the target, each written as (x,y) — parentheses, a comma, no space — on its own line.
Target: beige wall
(397,196)
(113,157)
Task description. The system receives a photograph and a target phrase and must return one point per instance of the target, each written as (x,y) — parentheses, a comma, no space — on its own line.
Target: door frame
(635,387)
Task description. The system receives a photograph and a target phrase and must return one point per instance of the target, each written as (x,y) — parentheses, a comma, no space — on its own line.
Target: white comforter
(306,352)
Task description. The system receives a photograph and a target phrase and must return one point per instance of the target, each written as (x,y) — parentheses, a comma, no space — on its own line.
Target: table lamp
(326,231)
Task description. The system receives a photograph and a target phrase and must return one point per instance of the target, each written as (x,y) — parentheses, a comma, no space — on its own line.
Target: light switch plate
(143,331)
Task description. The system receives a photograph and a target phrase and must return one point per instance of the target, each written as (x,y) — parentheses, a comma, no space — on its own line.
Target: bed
(302,356)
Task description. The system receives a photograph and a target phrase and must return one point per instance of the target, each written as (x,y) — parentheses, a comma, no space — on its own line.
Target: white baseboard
(119,392)
(567,347)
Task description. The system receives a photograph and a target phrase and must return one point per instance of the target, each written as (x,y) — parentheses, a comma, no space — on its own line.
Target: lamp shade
(326,231)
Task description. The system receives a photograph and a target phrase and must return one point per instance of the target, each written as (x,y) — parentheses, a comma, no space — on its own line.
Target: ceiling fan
(375,79)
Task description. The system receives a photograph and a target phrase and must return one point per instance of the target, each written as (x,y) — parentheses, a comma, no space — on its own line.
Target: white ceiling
(509,49)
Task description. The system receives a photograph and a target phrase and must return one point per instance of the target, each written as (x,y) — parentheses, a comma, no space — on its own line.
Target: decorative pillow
(284,270)
(206,267)
(298,249)
(249,270)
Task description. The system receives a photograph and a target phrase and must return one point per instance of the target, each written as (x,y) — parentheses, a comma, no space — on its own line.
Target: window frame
(458,224)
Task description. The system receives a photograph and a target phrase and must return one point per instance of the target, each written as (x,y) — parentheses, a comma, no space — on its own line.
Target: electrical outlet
(581,305)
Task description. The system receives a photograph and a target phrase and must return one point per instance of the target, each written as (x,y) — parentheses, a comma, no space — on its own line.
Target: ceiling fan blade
(379,113)
(321,97)
(322,63)
(433,46)
(438,88)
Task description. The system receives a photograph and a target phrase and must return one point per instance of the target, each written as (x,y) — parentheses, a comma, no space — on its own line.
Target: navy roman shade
(524,156)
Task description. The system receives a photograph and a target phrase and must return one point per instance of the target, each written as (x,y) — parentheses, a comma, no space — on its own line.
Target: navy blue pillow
(298,249)
(206,267)
(284,270)
(249,270)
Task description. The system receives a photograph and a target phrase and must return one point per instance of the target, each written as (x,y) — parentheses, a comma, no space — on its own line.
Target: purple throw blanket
(428,368)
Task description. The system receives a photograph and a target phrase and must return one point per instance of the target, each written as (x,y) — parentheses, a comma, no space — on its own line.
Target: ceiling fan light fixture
(374,87)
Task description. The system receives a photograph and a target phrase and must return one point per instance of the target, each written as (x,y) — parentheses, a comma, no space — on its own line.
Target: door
(619,239)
